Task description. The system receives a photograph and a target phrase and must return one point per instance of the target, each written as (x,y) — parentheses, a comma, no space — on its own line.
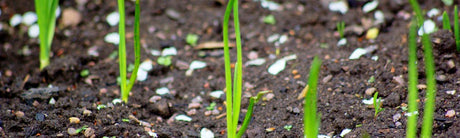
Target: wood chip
(303,93)
(212,45)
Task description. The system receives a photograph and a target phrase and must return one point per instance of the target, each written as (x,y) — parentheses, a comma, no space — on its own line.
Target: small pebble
(162,91)
(19,114)
(370,6)
(215,112)
(296,110)
(398,124)
(197,99)
(33,31)
(253,55)
(52,101)
(396,117)
(145,124)
(207,113)
(451,92)
(441,78)
(35,103)
(269,96)
(89,132)
(194,105)
(59,135)
(216,94)
(370,91)
(74,120)
(72,131)
(327,78)
(399,80)
(70,17)
(15,20)
(173,14)
(450,113)
(183,118)
(8,73)
(421,86)
(206,133)
(191,112)
(40,117)
(451,64)
(113,18)
(154,99)
(87,112)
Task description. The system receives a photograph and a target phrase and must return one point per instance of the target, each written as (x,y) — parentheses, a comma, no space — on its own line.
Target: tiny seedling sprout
(446,21)
(192,39)
(125,86)
(412,84)
(311,120)
(377,101)
(46,10)
(456,28)
(341,29)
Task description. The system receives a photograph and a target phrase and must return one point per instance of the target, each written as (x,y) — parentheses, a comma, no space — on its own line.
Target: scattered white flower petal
(146,65)
(344,132)
(450,113)
(29,18)
(375,58)
(279,65)
(338,6)
(183,118)
(270,5)
(33,31)
(155,52)
(379,16)
(15,20)
(428,27)
(113,38)
(52,101)
(116,101)
(255,62)
(171,51)
(273,38)
(411,113)
(142,75)
(323,136)
(371,101)
(451,92)
(153,134)
(92,51)
(283,39)
(216,94)
(342,42)
(197,65)
(113,18)
(357,53)
(290,57)
(206,133)
(162,91)
(370,6)
(448,2)
(432,12)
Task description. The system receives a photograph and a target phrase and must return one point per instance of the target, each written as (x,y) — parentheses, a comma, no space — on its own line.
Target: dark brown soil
(309,25)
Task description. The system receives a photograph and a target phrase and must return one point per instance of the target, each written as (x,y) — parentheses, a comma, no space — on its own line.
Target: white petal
(197,65)
(277,67)
(283,39)
(338,6)
(344,132)
(113,38)
(370,6)
(358,53)
(146,65)
(255,62)
(206,133)
(270,5)
(216,94)
(432,12)
(33,31)
(290,57)
(342,42)
(116,101)
(273,38)
(142,75)
(15,20)
(379,16)
(113,18)
(155,52)
(162,91)
(29,18)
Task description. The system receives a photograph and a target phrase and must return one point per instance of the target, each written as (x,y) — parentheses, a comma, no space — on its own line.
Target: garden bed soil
(311,30)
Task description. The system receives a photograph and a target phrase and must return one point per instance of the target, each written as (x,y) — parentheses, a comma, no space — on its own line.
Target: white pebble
(206,133)
(33,31)
(450,113)
(162,91)
(171,51)
(283,39)
(29,18)
(270,5)
(113,38)
(113,18)
(116,101)
(428,27)
(370,6)
(183,118)
(379,16)
(255,62)
(338,6)
(154,99)
(15,20)
(344,132)
(216,94)
(155,52)
(52,101)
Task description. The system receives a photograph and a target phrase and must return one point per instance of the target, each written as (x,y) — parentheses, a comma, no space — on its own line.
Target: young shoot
(377,104)
(127,86)
(341,29)
(412,97)
(456,28)
(46,10)
(428,113)
(446,21)
(311,119)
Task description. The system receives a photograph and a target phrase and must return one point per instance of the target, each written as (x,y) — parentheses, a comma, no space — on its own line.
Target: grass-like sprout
(377,101)
(125,86)
(46,14)
(233,95)
(341,29)
(427,125)
(446,21)
(311,119)
(456,28)
(412,85)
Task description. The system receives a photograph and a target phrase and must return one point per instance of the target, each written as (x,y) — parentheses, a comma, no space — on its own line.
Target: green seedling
(270,19)
(341,29)
(456,28)
(81,129)
(125,120)
(377,104)
(101,106)
(46,14)
(247,118)
(412,84)
(127,86)
(164,60)
(311,119)
(84,73)
(427,125)
(192,39)
(211,106)
(446,21)
(288,127)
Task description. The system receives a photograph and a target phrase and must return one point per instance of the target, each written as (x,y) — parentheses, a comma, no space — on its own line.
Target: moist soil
(311,31)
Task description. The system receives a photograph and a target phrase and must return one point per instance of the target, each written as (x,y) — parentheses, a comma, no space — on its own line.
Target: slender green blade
(247,117)
(446,21)
(231,130)
(311,118)
(427,126)
(122,51)
(137,46)
(46,10)
(239,67)
(412,84)
(456,28)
